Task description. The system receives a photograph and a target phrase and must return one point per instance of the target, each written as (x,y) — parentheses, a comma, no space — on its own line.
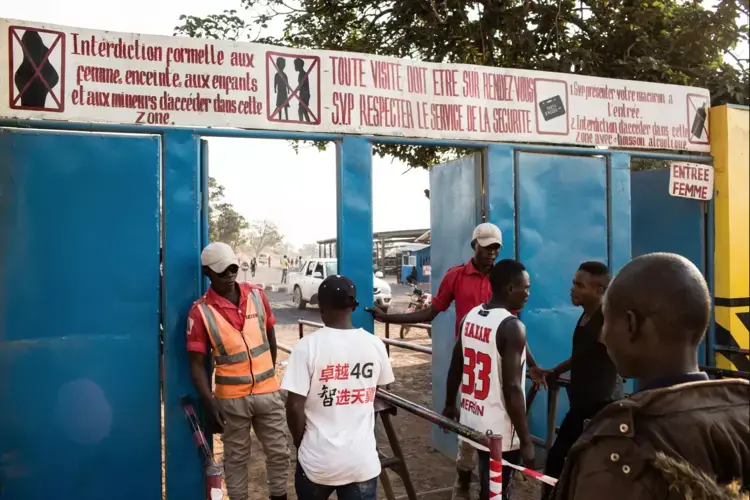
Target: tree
(225,224)
(263,234)
(666,41)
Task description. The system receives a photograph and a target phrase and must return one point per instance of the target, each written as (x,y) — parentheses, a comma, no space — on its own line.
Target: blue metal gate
(79,341)
(562,221)
(455,209)
(83,226)
(664,223)
(557,207)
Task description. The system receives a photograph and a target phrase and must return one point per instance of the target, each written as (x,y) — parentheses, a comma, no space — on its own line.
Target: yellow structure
(730,147)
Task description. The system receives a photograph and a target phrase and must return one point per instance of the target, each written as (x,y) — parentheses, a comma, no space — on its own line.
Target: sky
(263,179)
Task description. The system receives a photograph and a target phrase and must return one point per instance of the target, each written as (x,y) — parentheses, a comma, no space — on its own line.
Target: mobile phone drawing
(699,122)
(552,108)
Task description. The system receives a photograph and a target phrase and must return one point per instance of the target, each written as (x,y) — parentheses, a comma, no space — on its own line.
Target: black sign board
(552,108)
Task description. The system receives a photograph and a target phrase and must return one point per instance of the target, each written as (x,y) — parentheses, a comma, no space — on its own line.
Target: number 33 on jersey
(482,403)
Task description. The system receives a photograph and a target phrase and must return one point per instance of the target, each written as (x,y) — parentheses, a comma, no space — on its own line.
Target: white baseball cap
(218,257)
(487,234)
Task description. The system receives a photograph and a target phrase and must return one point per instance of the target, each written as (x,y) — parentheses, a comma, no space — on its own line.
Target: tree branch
(740,62)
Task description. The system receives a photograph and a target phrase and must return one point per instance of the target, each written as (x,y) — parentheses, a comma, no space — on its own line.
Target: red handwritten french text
(348,71)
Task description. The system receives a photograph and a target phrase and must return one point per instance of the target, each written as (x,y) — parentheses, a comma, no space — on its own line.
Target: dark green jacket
(689,441)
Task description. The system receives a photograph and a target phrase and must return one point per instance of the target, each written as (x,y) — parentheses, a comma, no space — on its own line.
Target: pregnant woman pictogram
(35,76)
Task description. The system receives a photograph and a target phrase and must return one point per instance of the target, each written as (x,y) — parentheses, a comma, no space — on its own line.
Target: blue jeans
(483,466)
(307,490)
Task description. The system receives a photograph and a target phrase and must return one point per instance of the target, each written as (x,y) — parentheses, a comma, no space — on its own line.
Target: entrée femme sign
(691,180)
(70,74)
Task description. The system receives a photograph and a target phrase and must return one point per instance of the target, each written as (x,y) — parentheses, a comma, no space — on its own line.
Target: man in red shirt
(469,286)
(234,321)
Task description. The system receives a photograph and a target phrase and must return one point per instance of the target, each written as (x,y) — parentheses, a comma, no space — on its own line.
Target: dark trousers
(570,430)
(483,464)
(307,490)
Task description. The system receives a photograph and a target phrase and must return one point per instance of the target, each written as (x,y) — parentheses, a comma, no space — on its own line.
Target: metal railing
(553,391)
(552,395)
(725,349)
(284,347)
(303,322)
(725,373)
(431,416)
(422,326)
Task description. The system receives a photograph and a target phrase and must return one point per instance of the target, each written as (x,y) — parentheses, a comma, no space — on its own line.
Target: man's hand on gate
(378,314)
(451,412)
(538,377)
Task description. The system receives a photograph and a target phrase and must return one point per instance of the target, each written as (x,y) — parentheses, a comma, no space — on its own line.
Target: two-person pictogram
(282,93)
(37,69)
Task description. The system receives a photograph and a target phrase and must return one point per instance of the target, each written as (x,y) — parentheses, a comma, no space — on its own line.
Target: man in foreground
(593,377)
(331,378)
(235,321)
(681,435)
(490,359)
(469,286)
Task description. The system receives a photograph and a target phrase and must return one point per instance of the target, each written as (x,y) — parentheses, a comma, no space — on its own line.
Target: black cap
(337,292)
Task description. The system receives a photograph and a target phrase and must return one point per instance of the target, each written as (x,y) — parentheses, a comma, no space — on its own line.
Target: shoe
(461,487)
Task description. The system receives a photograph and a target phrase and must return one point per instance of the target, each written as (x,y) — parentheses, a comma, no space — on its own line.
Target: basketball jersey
(482,402)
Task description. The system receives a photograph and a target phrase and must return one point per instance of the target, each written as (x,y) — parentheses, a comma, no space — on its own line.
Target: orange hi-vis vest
(242,359)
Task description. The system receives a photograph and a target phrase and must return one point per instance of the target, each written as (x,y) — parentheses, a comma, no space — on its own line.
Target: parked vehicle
(419,299)
(306,282)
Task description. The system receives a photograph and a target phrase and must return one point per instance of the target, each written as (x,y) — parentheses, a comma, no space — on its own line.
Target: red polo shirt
(197,335)
(467,286)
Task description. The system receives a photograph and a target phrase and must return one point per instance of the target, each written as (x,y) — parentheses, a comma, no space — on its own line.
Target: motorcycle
(418,300)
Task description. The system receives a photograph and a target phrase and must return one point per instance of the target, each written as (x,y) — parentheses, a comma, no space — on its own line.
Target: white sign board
(426,270)
(691,180)
(81,75)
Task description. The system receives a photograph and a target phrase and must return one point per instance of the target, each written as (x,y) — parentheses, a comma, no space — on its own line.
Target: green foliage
(263,235)
(666,41)
(225,224)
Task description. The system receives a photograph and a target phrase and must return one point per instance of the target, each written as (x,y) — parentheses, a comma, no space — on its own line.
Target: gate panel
(183,234)
(455,209)
(354,222)
(79,341)
(664,223)
(204,206)
(562,221)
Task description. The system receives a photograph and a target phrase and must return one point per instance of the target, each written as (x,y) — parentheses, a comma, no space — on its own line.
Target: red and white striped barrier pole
(211,468)
(495,444)
(532,473)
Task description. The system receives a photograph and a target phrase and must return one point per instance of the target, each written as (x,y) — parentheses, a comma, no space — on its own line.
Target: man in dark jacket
(680,431)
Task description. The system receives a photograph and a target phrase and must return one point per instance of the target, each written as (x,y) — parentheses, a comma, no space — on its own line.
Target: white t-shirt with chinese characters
(338,371)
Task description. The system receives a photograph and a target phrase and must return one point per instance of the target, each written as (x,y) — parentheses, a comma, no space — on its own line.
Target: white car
(305,284)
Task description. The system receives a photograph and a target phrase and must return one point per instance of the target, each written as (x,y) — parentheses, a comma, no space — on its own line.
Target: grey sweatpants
(266,414)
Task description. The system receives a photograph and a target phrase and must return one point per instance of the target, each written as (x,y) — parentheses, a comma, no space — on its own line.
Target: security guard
(235,321)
